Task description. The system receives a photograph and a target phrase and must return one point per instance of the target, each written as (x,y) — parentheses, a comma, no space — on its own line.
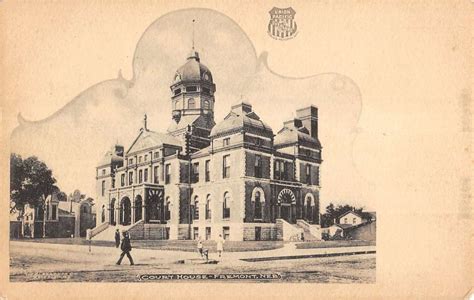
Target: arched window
(102,214)
(309,207)
(191,103)
(206,104)
(208,207)
(84,209)
(257,206)
(196,208)
(226,206)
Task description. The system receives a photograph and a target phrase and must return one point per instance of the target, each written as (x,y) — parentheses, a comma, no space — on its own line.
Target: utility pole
(188,153)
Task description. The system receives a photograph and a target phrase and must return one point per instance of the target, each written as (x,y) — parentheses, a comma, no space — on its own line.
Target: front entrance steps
(287,231)
(109,233)
(311,232)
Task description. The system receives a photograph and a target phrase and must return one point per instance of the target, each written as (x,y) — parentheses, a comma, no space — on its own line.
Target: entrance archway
(286,204)
(125,211)
(154,206)
(112,212)
(138,208)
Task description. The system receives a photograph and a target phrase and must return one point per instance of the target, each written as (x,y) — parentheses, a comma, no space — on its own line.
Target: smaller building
(355,218)
(353,225)
(55,220)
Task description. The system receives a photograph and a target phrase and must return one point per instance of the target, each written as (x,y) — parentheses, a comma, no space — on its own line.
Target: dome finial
(193,33)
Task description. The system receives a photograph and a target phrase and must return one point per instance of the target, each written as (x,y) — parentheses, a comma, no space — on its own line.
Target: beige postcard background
(412,62)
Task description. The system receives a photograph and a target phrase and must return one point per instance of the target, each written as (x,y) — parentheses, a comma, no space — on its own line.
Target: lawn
(333,244)
(175,245)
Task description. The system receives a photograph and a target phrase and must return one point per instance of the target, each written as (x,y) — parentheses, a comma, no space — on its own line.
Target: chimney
(309,118)
(243,107)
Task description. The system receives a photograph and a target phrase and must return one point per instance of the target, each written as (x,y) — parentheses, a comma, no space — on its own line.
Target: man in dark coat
(117,238)
(126,248)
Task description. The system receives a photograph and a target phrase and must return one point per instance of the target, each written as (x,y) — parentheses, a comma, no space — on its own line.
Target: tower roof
(193,70)
(241,117)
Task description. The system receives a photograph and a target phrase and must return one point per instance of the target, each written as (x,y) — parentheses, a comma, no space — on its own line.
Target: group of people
(205,252)
(124,243)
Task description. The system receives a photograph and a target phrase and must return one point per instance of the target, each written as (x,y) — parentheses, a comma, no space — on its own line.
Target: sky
(73,139)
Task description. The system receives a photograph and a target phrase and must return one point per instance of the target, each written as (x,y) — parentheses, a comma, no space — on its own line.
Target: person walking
(220,245)
(199,245)
(126,248)
(117,238)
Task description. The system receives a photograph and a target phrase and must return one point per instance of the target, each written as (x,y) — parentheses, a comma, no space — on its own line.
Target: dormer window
(191,103)
(177,92)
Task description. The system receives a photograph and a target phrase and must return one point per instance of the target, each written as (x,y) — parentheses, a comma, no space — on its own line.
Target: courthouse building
(236,178)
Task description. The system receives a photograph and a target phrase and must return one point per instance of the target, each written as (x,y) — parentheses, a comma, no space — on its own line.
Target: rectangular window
(280,170)
(122,180)
(191,88)
(140,176)
(225,232)
(207,170)
(226,142)
(167,173)
(103,188)
(285,170)
(177,91)
(140,159)
(353,220)
(258,142)
(54,212)
(156,154)
(316,173)
(103,171)
(345,220)
(308,174)
(208,233)
(145,175)
(258,166)
(146,157)
(226,166)
(195,173)
(156,175)
(196,232)
(130,178)
(130,161)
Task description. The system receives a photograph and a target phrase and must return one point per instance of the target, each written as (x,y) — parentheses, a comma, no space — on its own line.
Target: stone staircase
(311,232)
(108,234)
(287,231)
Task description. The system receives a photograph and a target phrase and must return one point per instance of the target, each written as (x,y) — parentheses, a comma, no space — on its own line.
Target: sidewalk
(289,251)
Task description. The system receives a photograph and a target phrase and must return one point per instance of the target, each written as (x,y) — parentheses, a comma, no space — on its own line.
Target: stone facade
(235,178)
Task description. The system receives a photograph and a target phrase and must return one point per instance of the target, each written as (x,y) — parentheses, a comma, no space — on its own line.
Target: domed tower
(192,89)
(193,101)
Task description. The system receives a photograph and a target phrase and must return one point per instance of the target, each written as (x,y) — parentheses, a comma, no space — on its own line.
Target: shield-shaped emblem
(282,25)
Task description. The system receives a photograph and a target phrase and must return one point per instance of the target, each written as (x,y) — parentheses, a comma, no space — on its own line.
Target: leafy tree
(61,196)
(31,182)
